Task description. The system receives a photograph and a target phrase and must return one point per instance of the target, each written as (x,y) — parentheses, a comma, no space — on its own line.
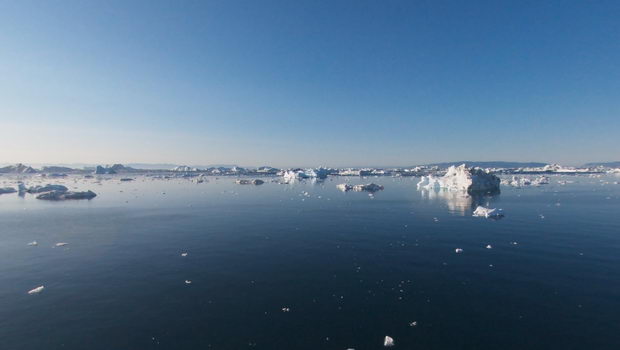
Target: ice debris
(344,187)
(388,341)
(37,290)
(33,243)
(517,181)
(458,250)
(488,212)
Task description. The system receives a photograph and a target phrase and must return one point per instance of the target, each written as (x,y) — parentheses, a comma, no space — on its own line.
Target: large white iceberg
(462,178)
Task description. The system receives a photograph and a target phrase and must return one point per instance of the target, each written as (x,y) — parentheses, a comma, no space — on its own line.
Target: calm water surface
(350,268)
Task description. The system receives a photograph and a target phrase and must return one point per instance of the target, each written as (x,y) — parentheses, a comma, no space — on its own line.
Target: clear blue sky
(291,83)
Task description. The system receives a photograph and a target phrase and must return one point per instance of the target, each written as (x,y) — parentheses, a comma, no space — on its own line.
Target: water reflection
(458,202)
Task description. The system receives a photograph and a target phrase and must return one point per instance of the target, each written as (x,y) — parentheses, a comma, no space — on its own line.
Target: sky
(308,83)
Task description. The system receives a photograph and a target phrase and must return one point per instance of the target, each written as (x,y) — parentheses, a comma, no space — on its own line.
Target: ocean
(306,266)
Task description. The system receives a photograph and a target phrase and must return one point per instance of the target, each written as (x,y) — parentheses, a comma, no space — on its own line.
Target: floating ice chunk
(184,254)
(458,250)
(188,282)
(292,175)
(344,187)
(37,290)
(4,190)
(488,212)
(517,181)
(250,182)
(413,324)
(388,341)
(429,183)
(371,187)
(62,195)
(489,246)
(33,243)
(286,309)
(61,244)
(47,188)
(471,180)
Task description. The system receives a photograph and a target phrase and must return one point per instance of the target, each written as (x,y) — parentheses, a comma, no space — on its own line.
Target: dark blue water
(351,268)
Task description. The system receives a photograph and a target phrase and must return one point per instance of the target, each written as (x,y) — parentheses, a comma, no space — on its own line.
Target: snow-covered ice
(462,178)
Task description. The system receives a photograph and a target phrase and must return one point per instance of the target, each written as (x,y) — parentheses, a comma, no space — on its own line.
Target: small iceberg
(388,341)
(458,250)
(371,187)
(62,195)
(488,212)
(250,182)
(344,187)
(4,190)
(61,244)
(37,290)
(33,243)
(47,188)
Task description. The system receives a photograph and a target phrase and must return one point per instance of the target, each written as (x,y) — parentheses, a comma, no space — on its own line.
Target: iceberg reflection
(458,202)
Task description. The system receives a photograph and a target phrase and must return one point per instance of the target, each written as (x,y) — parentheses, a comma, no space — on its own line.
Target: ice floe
(344,187)
(488,212)
(47,188)
(388,341)
(4,190)
(519,181)
(371,187)
(33,243)
(62,195)
(36,290)
(250,182)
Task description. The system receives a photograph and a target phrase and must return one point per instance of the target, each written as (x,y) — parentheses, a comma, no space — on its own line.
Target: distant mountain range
(490,164)
(605,164)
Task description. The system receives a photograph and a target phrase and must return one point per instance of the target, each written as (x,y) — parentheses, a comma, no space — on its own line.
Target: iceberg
(18,169)
(462,178)
(344,187)
(488,212)
(388,341)
(517,181)
(371,187)
(37,290)
(250,182)
(292,175)
(63,195)
(183,168)
(47,188)
(7,190)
